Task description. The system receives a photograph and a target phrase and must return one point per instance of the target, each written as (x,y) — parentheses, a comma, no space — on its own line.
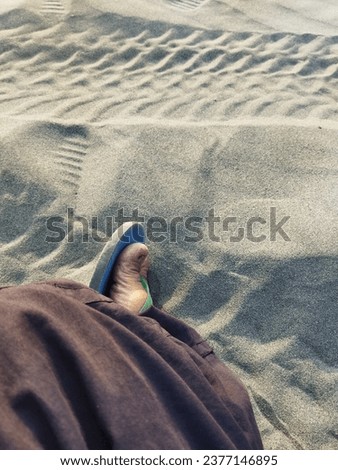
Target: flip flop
(125,235)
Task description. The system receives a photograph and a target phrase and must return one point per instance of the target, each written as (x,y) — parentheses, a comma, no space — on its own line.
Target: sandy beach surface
(220,119)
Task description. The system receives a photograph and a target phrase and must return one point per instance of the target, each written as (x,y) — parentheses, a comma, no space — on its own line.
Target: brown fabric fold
(77,371)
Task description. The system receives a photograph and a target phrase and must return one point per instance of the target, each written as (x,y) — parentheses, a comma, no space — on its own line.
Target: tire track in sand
(186,4)
(54,7)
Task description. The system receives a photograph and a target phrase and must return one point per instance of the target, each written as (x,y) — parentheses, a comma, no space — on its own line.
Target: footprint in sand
(69,158)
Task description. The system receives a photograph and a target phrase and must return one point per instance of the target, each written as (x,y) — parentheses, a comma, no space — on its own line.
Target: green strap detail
(149,302)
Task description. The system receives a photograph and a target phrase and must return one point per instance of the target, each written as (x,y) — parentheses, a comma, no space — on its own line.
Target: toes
(135,251)
(137,254)
(133,259)
(141,251)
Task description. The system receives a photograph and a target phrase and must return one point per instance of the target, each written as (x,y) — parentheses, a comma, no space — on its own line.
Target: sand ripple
(161,71)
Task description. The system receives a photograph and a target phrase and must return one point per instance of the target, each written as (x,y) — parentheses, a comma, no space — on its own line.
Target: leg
(79,371)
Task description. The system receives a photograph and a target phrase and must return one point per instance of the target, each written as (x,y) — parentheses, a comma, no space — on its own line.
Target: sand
(181,109)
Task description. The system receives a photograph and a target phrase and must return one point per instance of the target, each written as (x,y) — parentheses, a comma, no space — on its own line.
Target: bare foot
(126,288)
